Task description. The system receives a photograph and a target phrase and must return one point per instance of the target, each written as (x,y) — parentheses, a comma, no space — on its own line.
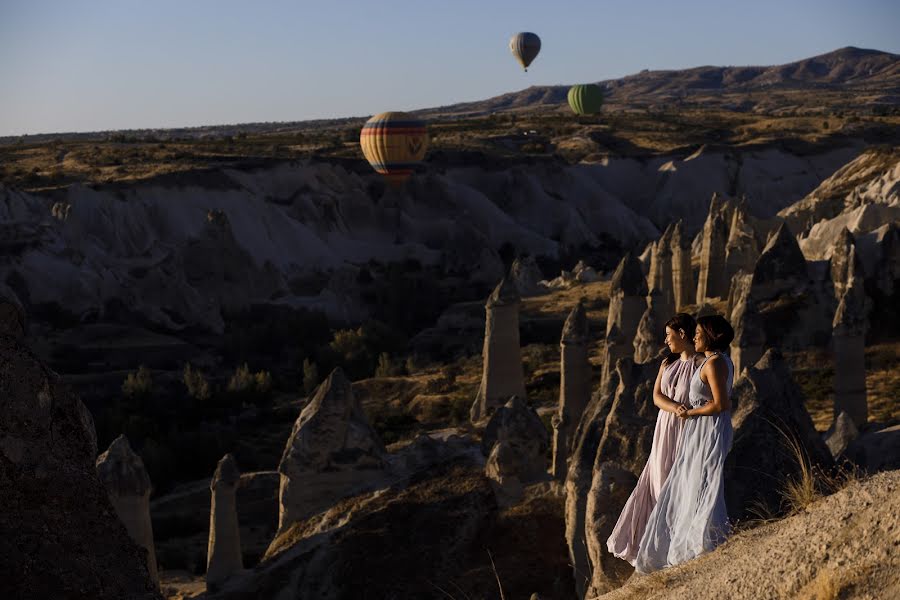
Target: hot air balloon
(394,143)
(525,47)
(585,99)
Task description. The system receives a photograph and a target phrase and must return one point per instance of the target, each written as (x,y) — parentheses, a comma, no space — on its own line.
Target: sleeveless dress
(690,516)
(623,542)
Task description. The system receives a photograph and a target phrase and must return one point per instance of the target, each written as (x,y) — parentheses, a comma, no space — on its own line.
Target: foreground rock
(332,453)
(61,537)
(518,444)
(843,546)
(223,556)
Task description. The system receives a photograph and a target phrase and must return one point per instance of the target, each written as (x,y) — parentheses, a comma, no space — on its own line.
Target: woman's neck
(687,354)
(709,353)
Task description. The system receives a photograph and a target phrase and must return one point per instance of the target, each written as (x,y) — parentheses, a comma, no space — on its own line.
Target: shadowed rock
(332,453)
(525,275)
(223,555)
(502,374)
(627,303)
(712,281)
(61,537)
(519,447)
(128,485)
(844,262)
(749,335)
(574,387)
(768,416)
(841,435)
(742,250)
(683,287)
(651,329)
(849,344)
(621,455)
(660,275)
(12,315)
(780,266)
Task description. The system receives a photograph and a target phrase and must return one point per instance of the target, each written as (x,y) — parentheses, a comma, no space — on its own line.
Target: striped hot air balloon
(394,143)
(525,47)
(585,99)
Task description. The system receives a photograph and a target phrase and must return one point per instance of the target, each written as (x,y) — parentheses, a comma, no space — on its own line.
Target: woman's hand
(682,412)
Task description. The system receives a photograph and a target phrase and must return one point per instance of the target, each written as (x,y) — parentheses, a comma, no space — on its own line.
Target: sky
(96,65)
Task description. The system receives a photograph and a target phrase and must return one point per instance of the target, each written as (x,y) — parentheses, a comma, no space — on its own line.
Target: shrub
(248,387)
(138,385)
(196,384)
(310,376)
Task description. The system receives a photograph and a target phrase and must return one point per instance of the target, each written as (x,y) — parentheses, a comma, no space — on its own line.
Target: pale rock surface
(742,248)
(502,374)
(712,281)
(128,485)
(849,345)
(332,453)
(683,285)
(651,331)
(841,434)
(659,277)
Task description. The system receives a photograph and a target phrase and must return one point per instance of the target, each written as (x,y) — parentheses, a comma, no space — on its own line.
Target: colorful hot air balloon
(585,99)
(525,47)
(394,143)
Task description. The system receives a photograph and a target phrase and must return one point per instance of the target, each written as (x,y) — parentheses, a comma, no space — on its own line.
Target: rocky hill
(843,546)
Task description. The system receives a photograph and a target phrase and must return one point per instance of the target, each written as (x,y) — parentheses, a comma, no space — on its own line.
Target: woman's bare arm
(662,401)
(715,371)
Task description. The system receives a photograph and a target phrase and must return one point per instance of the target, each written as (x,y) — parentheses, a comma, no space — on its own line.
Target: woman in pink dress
(670,392)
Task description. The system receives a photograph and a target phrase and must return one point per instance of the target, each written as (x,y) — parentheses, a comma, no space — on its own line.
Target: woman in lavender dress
(690,516)
(670,394)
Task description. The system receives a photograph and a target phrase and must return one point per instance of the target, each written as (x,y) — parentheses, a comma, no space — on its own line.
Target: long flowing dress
(623,542)
(690,517)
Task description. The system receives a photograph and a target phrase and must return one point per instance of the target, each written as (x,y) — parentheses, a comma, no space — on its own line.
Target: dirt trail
(844,546)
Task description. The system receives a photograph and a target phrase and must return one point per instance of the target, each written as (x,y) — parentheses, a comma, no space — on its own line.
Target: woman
(690,516)
(670,394)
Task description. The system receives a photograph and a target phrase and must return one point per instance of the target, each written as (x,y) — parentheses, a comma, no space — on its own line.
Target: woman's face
(700,340)
(676,341)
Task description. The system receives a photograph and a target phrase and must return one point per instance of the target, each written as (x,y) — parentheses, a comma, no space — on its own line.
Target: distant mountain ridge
(844,70)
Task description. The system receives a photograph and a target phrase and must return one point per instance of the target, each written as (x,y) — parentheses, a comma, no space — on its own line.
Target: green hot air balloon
(585,99)
(525,47)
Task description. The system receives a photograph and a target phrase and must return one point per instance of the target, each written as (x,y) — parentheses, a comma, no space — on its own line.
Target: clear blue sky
(88,65)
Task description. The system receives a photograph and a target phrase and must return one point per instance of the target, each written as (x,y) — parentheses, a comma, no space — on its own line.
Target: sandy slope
(844,546)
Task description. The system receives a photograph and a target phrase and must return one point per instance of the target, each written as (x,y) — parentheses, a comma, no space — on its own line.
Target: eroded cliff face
(180,249)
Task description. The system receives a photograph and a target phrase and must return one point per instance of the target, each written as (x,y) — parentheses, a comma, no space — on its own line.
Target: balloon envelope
(585,99)
(394,143)
(525,47)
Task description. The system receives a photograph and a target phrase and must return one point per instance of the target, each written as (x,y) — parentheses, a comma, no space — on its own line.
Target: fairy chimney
(712,281)
(660,276)
(844,261)
(741,250)
(574,387)
(683,287)
(627,304)
(128,487)
(849,345)
(223,554)
(502,374)
(651,329)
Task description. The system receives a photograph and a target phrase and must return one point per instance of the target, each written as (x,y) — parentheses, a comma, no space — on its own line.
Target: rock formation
(332,453)
(849,344)
(574,387)
(660,276)
(749,335)
(223,554)
(741,250)
(844,262)
(627,304)
(841,435)
(518,453)
(769,416)
(683,287)
(621,455)
(712,282)
(128,485)
(780,266)
(61,538)
(525,275)
(651,331)
(502,375)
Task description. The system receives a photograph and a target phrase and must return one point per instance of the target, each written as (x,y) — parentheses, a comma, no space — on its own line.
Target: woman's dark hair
(718,331)
(680,322)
